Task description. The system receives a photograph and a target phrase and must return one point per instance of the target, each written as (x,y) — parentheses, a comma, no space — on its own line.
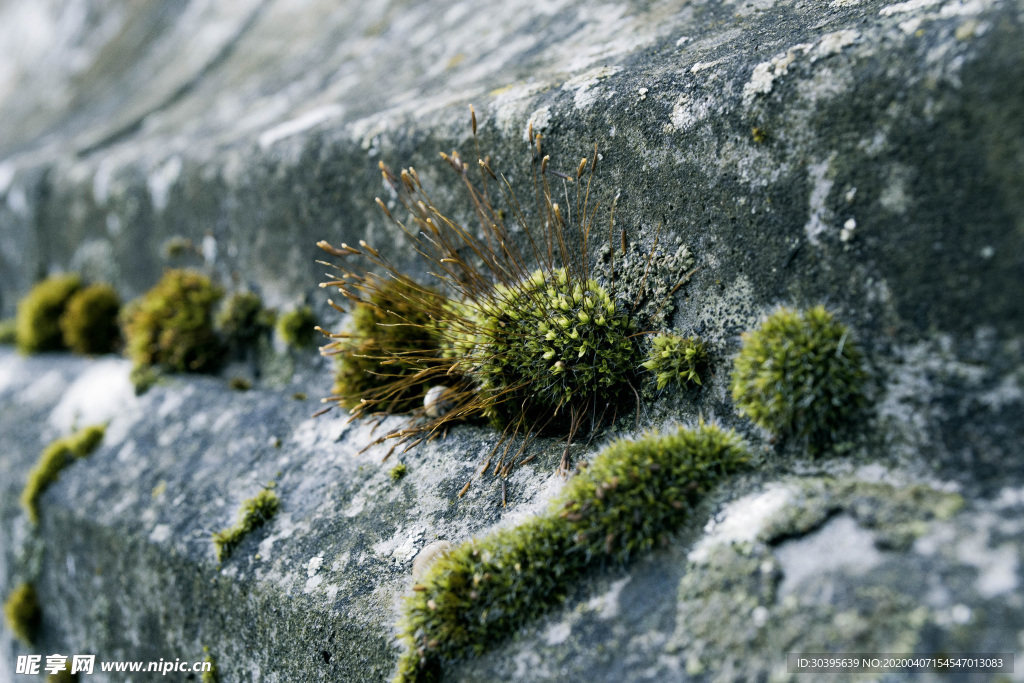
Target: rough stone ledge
(905,119)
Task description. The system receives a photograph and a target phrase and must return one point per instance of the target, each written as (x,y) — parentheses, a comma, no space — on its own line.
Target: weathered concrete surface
(883,180)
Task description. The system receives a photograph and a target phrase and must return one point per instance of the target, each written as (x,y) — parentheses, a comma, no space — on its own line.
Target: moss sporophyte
(632,496)
(515,328)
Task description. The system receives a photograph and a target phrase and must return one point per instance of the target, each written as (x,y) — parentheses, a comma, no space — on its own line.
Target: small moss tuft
(239,384)
(39,312)
(800,375)
(398,471)
(209,675)
(89,323)
(8,331)
(297,327)
(23,614)
(254,513)
(391,333)
(143,378)
(632,496)
(171,326)
(243,319)
(676,359)
(54,458)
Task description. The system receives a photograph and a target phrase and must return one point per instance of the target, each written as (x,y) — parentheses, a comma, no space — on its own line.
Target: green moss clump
(239,384)
(209,675)
(800,375)
(398,471)
(243,319)
(390,331)
(297,327)
(171,326)
(8,331)
(254,513)
(632,496)
(23,614)
(89,323)
(549,343)
(676,359)
(52,461)
(39,313)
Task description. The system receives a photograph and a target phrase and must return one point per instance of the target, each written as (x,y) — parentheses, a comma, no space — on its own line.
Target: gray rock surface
(862,154)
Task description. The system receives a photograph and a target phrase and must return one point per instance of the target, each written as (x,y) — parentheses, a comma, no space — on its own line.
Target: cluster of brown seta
(514,329)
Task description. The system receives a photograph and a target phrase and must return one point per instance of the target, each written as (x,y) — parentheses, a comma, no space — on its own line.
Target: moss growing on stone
(23,614)
(633,495)
(254,513)
(39,313)
(239,384)
(52,461)
(209,675)
(391,334)
(676,359)
(398,471)
(297,327)
(89,323)
(548,344)
(243,319)
(800,375)
(8,331)
(171,326)
(143,378)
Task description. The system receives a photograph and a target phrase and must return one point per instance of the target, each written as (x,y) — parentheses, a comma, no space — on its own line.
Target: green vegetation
(52,461)
(89,323)
(39,313)
(239,384)
(548,343)
(211,675)
(23,614)
(255,512)
(171,326)
(297,327)
(800,375)
(243,319)
(398,471)
(9,331)
(391,335)
(676,359)
(632,496)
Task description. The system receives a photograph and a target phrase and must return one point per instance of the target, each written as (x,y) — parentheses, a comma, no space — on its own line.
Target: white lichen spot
(401,547)
(909,6)
(838,545)
(98,395)
(740,521)
(161,180)
(846,233)
(642,94)
(688,111)
(607,605)
(314,564)
(299,124)
(312,583)
(701,66)
(821,185)
(584,85)
(556,634)
(833,43)
(765,73)
(160,533)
